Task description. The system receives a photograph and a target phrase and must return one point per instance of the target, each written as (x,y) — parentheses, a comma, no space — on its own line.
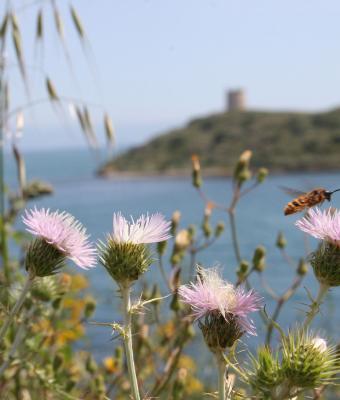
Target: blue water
(259,218)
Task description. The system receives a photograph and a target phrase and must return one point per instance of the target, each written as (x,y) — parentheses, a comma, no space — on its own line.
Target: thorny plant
(38,354)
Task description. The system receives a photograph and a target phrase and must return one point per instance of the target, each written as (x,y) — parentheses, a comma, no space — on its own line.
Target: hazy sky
(160,63)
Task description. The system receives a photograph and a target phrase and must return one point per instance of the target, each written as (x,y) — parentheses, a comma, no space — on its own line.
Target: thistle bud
(266,374)
(281,241)
(302,268)
(206,227)
(220,332)
(326,264)
(219,229)
(176,217)
(45,289)
(307,361)
(43,259)
(125,262)
(182,240)
(125,255)
(196,171)
(262,174)
(242,270)
(259,259)
(241,171)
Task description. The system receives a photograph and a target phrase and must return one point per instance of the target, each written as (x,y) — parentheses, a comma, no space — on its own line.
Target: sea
(259,217)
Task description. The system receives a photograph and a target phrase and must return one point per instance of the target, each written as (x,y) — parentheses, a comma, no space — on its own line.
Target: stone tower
(236,100)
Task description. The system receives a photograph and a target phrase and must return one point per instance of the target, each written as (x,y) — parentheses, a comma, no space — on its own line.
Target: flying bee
(307,200)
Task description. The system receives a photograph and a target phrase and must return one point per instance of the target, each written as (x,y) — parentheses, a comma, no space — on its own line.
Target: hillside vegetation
(281,141)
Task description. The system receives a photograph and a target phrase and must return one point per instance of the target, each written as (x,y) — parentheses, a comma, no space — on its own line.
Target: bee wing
(292,192)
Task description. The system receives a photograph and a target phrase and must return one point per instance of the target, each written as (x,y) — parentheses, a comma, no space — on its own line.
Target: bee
(307,200)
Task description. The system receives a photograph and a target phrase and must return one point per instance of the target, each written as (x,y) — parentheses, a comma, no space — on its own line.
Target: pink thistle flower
(211,294)
(324,225)
(147,229)
(64,232)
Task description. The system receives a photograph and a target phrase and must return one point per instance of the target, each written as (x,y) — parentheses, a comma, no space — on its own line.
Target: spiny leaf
(39,30)
(77,22)
(51,90)
(110,135)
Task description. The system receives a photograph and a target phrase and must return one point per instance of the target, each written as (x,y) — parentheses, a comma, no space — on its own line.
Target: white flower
(319,344)
(147,229)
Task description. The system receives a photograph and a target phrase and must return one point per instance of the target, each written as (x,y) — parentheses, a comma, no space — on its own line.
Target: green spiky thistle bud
(242,270)
(307,361)
(266,373)
(43,259)
(125,255)
(206,227)
(326,264)
(219,229)
(281,241)
(259,259)
(196,171)
(175,219)
(242,172)
(125,262)
(262,174)
(302,268)
(46,289)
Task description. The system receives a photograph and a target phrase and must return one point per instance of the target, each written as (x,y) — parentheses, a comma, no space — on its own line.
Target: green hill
(281,141)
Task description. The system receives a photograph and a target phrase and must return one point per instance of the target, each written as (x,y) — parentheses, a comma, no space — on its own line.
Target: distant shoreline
(205,174)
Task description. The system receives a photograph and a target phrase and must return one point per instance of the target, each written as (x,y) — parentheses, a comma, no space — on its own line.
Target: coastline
(206,174)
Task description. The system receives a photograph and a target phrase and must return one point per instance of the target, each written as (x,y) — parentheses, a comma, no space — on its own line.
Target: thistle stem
(125,290)
(222,368)
(14,311)
(315,306)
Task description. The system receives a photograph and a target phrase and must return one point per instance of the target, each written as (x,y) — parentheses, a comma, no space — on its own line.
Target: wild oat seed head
(63,232)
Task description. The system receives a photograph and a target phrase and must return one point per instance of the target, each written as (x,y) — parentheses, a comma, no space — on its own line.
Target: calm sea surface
(259,218)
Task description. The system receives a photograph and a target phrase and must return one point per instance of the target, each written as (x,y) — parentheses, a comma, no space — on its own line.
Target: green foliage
(286,141)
